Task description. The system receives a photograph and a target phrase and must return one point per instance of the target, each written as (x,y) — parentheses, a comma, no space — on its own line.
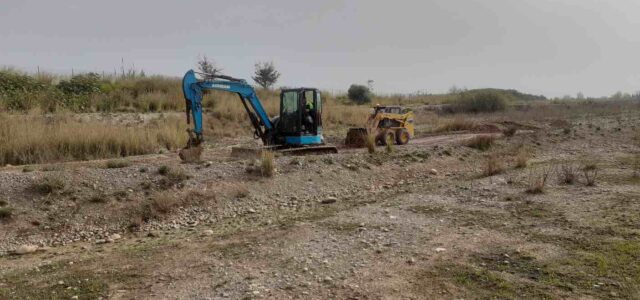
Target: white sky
(539,46)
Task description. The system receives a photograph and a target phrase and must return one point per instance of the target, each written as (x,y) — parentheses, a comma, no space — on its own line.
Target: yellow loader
(386,124)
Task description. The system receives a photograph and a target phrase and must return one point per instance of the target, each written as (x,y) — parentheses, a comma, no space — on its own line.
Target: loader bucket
(356,137)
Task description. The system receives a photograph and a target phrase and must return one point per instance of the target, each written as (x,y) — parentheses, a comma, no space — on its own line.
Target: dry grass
(481,142)
(522,158)
(117,164)
(458,123)
(267,164)
(171,176)
(64,138)
(493,165)
(538,180)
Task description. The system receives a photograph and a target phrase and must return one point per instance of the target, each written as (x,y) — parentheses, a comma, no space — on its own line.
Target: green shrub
(11,82)
(83,84)
(477,102)
(359,94)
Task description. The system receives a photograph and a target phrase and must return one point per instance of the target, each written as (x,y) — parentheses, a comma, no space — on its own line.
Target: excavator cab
(300,121)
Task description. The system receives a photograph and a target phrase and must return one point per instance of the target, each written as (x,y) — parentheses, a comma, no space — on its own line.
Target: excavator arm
(193,89)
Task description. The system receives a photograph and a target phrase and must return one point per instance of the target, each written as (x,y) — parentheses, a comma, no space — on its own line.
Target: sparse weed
(156,206)
(3,202)
(171,176)
(27,169)
(567,174)
(163,203)
(590,172)
(538,180)
(267,164)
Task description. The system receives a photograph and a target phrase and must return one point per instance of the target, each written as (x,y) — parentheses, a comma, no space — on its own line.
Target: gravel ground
(421,222)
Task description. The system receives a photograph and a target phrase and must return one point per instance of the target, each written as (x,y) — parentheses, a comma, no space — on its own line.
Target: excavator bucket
(190,154)
(356,137)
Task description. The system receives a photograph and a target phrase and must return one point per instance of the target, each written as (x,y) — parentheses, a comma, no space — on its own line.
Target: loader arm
(193,89)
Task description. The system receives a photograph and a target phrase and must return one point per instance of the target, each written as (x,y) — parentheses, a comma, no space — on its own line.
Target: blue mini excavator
(297,130)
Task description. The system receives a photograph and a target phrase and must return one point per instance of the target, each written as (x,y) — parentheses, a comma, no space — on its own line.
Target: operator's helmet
(309,105)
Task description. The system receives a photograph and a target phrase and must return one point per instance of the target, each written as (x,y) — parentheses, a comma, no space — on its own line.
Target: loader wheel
(402,137)
(387,137)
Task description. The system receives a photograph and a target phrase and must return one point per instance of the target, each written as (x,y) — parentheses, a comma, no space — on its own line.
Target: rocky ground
(427,220)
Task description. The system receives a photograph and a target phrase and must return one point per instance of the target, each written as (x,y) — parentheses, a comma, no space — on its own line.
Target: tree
(359,94)
(580,96)
(266,74)
(208,67)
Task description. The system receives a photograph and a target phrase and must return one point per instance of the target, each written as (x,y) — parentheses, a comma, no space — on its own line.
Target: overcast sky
(539,46)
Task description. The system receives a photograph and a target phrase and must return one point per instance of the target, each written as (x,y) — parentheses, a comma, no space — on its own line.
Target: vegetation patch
(267,164)
(6,213)
(48,185)
(54,281)
(117,164)
(481,142)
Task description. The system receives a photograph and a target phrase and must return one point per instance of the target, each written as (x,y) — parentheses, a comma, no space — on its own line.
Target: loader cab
(300,121)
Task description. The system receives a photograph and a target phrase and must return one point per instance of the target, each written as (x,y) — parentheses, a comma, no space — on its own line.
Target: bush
(12,82)
(359,94)
(83,84)
(476,102)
